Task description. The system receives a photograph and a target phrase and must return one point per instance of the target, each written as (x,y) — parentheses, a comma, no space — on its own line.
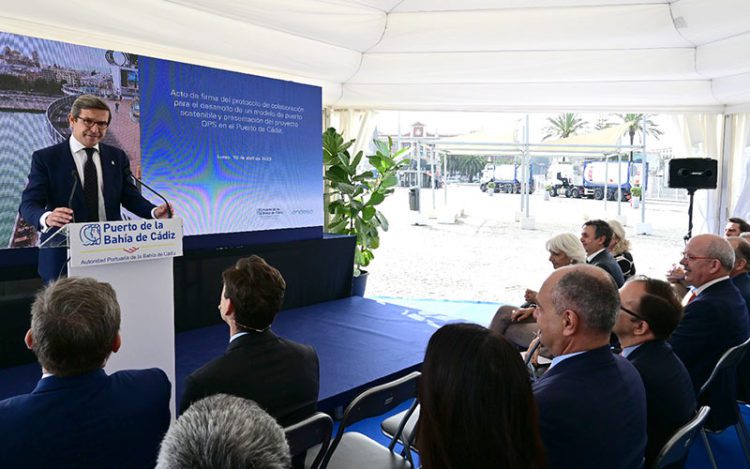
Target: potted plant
(352,196)
(635,196)
(491,188)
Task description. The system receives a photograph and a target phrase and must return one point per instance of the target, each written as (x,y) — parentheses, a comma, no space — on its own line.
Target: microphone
(131,175)
(73,173)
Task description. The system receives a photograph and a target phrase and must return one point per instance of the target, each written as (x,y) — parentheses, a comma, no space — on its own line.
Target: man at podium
(80,180)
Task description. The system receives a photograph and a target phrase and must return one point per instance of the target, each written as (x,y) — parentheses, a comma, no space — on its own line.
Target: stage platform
(360,342)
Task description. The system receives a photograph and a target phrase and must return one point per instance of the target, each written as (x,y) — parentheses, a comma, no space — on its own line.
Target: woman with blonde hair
(517,324)
(620,249)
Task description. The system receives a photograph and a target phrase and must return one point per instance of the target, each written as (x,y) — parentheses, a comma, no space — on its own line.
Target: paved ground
(486,256)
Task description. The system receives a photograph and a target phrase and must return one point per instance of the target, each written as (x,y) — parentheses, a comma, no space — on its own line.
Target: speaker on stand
(692,174)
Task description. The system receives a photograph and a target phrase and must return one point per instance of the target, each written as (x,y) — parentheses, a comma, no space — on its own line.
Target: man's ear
(29,340)
(117,343)
(230,308)
(570,322)
(641,328)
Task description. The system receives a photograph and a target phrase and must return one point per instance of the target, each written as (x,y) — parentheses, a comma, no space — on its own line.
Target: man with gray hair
(592,404)
(224,432)
(715,319)
(78,415)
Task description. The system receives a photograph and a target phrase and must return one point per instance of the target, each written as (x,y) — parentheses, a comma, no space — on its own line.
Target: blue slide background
(222,175)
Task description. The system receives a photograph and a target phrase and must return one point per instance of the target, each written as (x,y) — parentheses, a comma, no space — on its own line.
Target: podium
(135,257)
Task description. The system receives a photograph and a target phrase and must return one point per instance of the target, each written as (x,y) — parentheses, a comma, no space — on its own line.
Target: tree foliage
(564,125)
(635,125)
(352,196)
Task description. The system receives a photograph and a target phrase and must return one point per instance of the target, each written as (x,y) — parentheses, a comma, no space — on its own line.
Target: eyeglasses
(692,258)
(637,316)
(90,123)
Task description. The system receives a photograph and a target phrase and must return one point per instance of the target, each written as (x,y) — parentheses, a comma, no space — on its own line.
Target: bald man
(592,403)
(714,320)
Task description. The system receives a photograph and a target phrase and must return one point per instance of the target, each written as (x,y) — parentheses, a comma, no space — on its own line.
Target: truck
(506,178)
(600,179)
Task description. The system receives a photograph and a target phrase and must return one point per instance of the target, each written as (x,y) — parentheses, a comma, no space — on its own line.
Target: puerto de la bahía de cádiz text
(124,237)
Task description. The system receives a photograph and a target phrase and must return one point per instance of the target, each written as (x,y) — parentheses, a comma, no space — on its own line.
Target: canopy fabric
(599,141)
(498,55)
(482,142)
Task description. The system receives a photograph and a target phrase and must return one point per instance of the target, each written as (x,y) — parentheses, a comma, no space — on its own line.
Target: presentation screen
(235,154)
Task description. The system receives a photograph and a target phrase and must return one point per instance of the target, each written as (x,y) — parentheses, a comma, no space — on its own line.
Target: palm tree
(564,125)
(468,165)
(635,125)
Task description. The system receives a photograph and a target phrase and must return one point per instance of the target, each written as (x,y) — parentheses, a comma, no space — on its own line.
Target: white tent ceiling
(678,55)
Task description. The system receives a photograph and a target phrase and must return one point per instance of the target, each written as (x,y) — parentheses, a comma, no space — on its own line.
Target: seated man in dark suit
(78,416)
(735,227)
(714,320)
(224,431)
(282,376)
(739,273)
(592,405)
(741,279)
(595,237)
(649,312)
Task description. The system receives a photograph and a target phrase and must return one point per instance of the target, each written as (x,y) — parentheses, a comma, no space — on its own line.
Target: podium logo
(91,235)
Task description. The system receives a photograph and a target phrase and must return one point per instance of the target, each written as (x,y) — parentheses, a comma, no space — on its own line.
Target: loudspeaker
(693,173)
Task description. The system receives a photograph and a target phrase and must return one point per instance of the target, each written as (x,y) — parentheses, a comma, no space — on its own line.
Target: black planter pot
(359,283)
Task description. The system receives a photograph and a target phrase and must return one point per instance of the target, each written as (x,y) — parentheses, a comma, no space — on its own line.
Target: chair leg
(708,449)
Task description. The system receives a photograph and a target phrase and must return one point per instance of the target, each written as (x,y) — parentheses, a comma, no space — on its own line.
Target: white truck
(506,178)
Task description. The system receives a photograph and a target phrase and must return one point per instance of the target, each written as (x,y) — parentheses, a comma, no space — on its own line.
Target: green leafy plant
(352,196)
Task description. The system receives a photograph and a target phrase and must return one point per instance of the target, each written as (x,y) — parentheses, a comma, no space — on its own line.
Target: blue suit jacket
(50,184)
(742,282)
(606,261)
(88,420)
(592,412)
(670,400)
(714,321)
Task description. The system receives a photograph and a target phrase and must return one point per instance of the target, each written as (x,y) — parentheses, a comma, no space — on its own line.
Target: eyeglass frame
(89,123)
(692,258)
(632,313)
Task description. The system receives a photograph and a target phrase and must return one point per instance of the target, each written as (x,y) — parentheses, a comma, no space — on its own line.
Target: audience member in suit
(282,376)
(518,324)
(54,195)
(477,409)
(592,404)
(676,275)
(78,416)
(735,227)
(619,246)
(741,279)
(739,273)
(227,432)
(649,312)
(715,320)
(596,236)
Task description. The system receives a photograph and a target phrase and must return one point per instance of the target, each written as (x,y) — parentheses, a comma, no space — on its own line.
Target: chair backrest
(727,362)
(678,445)
(376,401)
(314,430)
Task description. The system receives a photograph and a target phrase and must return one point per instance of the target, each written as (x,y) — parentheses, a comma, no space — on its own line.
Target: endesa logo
(91,235)
(302,211)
